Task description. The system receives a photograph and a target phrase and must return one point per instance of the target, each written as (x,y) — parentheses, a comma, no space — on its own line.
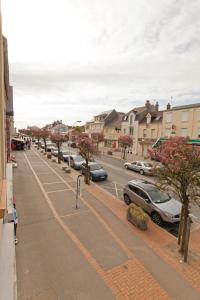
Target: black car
(97,173)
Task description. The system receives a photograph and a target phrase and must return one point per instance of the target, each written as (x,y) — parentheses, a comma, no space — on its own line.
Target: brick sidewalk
(133,264)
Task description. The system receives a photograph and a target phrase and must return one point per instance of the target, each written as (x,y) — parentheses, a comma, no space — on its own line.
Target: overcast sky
(72,59)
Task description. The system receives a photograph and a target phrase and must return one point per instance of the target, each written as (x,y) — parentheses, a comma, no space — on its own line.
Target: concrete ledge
(8,281)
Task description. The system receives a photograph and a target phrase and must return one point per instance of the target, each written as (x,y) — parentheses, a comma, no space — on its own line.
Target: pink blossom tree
(180,174)
(125,141)
(87,150)
(97,138)
(37,134)
(44,135)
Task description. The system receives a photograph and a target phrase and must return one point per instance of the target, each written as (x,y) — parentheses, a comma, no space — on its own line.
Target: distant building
(59,129)
(109,124)
(132,120)
(182,120)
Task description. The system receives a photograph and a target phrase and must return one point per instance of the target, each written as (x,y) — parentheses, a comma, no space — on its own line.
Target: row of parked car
(77,162)
(158,204)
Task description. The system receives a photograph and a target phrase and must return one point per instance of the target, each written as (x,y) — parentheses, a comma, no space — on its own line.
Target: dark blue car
(97,173)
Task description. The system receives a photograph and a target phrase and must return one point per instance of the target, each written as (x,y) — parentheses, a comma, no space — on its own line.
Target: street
(86,253)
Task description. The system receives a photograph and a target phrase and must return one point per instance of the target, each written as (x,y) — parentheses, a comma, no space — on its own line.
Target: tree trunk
(38,143)
(184,230)
(45,146)
(58,153)
(180,231)
(87,173)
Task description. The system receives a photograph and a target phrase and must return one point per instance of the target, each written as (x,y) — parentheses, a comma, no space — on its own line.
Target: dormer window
(148,118)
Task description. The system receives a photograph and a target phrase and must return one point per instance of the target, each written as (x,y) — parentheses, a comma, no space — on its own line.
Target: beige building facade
(182,121)
(149,131)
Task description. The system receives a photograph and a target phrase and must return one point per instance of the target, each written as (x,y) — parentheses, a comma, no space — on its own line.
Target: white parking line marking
(116,190)
(55,182)
(57,191)
(76,213)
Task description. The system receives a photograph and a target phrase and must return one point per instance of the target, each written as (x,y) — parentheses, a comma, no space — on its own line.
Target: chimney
(168,106)
(157,106)
(148,105)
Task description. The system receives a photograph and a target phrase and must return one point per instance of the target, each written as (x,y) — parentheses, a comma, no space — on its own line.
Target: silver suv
(158,204)
(142,167)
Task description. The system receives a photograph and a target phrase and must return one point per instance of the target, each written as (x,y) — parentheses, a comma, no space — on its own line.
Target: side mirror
(147,200)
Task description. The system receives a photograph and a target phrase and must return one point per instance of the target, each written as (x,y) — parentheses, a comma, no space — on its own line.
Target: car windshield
(95,167)
(158,196)
(148,165)
(78,158)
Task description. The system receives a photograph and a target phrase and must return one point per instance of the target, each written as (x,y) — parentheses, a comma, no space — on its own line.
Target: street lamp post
(70,140)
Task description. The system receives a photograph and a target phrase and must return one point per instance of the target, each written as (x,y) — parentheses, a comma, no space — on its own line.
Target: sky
(72,59)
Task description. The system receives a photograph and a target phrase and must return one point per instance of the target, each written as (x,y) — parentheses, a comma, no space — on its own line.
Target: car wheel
(127,199)
(142,172)
(156,218)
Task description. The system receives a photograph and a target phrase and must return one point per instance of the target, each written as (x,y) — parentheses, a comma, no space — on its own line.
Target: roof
(195,105)
(156,116)
(140,112)
(105,113)
(145,185)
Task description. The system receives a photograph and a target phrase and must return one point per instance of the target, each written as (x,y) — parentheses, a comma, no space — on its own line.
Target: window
(144,133)
(167,131)
(184,116)
(138,191)
(153,133)
(198,133)
(134,189)
(131,130)
(169,117)
(142,194)
(184,132)
(131,119)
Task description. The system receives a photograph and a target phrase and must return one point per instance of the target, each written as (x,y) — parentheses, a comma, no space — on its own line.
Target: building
(182,121)
(133,119)
(109,124)
(60,129)
(149,131)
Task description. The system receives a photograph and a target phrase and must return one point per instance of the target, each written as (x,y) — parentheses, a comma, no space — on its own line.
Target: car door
(132,166)
(138,166)
(140,198)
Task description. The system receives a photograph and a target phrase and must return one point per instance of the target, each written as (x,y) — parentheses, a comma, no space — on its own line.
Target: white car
(142,167)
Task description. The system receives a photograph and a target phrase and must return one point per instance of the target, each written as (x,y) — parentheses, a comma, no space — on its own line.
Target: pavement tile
(96,239)
(65,202)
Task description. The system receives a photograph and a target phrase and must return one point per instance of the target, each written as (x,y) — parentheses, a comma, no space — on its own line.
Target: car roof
(144,184)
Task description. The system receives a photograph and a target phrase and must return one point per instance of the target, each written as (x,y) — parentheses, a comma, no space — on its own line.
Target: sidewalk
(92,252)
(118,155)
